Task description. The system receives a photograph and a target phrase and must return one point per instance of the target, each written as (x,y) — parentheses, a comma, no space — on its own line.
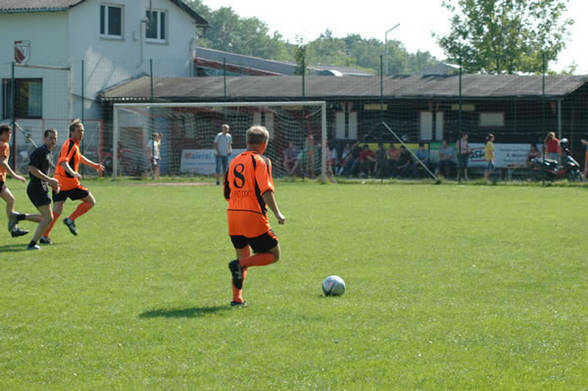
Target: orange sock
(48,231)
(261,259)
(238,293)
(80,210)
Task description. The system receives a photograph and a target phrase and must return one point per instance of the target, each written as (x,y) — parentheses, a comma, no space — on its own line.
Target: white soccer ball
(333,286)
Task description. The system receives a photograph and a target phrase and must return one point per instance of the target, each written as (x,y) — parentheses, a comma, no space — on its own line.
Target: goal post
(297,147)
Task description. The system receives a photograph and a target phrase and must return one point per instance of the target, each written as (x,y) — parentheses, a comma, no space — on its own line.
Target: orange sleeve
(66,152)
(263,175)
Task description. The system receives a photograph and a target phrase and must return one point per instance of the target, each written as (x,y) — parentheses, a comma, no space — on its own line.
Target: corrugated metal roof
(289,87)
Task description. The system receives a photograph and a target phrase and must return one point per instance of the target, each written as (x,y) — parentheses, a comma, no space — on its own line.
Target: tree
(505,36)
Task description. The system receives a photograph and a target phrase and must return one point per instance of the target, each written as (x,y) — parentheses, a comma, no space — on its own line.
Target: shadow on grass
(194,312)
(13,248)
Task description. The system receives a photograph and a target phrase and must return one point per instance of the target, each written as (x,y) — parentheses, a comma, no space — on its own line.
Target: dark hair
(5,128)
(421,144)
(50,130)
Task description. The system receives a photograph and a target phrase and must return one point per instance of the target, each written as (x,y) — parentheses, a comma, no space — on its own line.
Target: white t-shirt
(222,142)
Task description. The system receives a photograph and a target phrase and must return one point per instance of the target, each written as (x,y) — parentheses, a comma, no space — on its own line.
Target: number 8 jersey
(248,178)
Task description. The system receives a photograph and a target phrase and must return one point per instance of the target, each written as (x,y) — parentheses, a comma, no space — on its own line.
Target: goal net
(297,147)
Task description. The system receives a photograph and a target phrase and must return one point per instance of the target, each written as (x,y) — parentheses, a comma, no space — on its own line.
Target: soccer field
(448,287)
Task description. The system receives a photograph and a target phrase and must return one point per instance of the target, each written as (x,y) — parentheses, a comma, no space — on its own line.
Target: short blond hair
(257,135)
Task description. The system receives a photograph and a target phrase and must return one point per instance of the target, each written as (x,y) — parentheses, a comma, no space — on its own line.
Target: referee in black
(38,188)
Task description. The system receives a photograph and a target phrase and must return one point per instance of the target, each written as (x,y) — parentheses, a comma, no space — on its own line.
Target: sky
(417,20)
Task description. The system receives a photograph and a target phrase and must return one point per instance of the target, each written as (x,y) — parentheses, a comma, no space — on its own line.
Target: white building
(61,53)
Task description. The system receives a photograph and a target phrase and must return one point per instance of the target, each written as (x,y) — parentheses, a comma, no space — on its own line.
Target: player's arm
(6,166)
(270,201)
(70,170)
(54,183)
(96,166)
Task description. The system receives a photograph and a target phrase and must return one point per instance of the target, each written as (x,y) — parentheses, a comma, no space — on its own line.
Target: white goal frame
(322,104)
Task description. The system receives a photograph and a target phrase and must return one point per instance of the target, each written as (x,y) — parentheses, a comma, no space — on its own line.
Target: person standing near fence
(67,173)
(223,145)
(552,149)
(38,188)
(155,152)
(489,156)
(585,158)
(463,154)
(5,194)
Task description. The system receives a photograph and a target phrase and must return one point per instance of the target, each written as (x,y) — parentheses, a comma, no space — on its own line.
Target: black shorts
(260,244)
(38,195)
(73,194)
(1,185)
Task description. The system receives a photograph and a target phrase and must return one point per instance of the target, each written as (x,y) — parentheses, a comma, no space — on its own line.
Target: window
(28,98)
(492,119)
(155,29)
(111,21)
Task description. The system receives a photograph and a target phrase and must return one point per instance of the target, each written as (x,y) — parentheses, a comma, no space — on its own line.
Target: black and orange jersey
(248,178)
(4,154)
(70,154)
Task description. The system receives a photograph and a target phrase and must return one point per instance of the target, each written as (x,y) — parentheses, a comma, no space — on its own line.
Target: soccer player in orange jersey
(249,188)
(5,194)
(66,172)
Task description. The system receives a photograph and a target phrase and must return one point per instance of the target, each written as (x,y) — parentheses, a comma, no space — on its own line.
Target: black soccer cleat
(16,232)
(45,240)
(33,247)
(71,225)
(239,304)
(237,273)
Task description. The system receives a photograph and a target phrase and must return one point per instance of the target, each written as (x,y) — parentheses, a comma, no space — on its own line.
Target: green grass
(448,287)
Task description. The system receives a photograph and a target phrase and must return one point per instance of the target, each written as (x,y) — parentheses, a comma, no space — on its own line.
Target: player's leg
(46,220)
(13,217)
(88,202)
(218,168)
(238,293)
(57,209)
(266,249)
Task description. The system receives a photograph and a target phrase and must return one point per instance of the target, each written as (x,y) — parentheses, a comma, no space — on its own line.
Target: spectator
(367,161)
(381,161)
(446,159)
(463,154)
(532,154)
(489,156)
(405,163)
(352,162)
(552,149)
(308,157)
(423,155)
(345,155)
(585,158)
(291,162)
(223,147)
(393,158)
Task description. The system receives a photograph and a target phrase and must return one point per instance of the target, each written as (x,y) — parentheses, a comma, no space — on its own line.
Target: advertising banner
(201,161)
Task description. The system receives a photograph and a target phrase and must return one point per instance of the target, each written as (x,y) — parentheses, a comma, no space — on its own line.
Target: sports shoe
(237,273)
(45,240)
(71,225)
(238,304)
(16,232)
(35,247)
(12,220)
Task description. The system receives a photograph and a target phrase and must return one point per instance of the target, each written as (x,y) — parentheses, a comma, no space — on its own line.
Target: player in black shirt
(41,160)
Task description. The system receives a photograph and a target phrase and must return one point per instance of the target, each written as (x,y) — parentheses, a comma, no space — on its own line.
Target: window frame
(159,12)
(489,117)
(6,92)
(104,21)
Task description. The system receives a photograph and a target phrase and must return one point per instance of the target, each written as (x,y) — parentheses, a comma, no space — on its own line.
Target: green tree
(505,36)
